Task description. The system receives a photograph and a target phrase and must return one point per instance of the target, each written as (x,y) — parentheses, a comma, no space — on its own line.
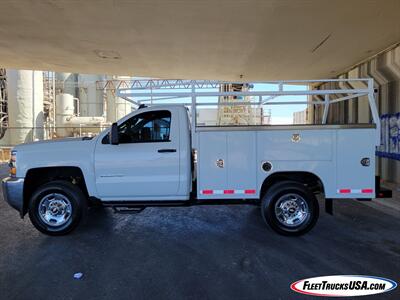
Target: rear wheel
(290,208)
(56,208)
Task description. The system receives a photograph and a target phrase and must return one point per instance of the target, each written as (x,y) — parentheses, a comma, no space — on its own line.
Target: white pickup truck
(156,157)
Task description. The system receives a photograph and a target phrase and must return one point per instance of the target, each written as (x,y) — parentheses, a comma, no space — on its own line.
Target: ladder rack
(155,90)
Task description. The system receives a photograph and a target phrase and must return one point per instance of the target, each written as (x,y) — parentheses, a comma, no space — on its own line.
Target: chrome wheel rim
(291,210)
(55,209)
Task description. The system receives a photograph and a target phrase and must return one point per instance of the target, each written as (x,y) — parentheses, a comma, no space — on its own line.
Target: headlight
(13,163)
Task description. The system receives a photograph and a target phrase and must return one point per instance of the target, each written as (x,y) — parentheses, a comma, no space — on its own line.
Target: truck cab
(151,160)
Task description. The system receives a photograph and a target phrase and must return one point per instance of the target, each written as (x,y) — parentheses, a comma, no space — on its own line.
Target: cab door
(145,163)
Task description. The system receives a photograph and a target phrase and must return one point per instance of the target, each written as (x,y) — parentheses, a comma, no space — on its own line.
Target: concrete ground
(214,252)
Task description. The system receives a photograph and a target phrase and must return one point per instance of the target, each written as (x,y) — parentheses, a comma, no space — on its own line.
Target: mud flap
(329,206)
(380,191)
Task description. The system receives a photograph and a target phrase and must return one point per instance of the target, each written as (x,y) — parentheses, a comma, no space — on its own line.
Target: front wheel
(56,208)
(290,208)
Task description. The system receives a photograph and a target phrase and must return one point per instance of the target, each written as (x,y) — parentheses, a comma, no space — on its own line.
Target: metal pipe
(33,106)
(54,103)
(374,111)
(194,119)
(258,103)
(78,110)
(348,97)
(326,109)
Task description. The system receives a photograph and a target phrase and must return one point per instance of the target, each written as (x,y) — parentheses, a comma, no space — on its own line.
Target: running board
(143,204)
(183,203)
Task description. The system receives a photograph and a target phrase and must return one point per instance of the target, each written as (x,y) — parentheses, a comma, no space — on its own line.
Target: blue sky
(283,114)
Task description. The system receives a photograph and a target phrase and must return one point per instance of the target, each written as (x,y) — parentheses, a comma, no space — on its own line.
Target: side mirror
(114,134)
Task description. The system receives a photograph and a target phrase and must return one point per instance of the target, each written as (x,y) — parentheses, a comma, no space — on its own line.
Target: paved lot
(215,252)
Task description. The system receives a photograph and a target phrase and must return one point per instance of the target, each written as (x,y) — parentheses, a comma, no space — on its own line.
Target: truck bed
(333,153)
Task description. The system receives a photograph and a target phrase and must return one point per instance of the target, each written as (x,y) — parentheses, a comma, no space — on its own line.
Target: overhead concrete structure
(215,39)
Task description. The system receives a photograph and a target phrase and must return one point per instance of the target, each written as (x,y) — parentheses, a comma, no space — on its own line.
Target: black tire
(285,192)
(77,204)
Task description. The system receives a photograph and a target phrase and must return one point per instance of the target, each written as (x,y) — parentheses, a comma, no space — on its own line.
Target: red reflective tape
(345,191)
(208,192)
(367,191)
(249,191)
(229,191)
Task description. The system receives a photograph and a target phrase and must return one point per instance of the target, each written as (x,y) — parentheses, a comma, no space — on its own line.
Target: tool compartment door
(226,165)
(211,177)
(355,177)
(241,164)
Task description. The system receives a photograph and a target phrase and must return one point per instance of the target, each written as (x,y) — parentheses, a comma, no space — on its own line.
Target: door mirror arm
(114,140)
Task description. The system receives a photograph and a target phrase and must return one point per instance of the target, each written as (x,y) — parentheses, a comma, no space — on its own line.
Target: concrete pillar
(25,105)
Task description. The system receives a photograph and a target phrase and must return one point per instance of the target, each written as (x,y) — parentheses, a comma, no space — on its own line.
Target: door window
(152,126)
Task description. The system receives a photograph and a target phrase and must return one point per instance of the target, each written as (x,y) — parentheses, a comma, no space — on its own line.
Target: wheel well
(39,176)
(312,181)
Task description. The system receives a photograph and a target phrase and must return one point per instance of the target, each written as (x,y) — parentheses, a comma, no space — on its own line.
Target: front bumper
(13,189)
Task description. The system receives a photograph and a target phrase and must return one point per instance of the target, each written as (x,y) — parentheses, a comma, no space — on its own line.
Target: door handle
(166,150)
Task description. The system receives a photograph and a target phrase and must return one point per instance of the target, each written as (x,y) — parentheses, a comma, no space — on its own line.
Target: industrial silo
(117,107)
(25,106)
